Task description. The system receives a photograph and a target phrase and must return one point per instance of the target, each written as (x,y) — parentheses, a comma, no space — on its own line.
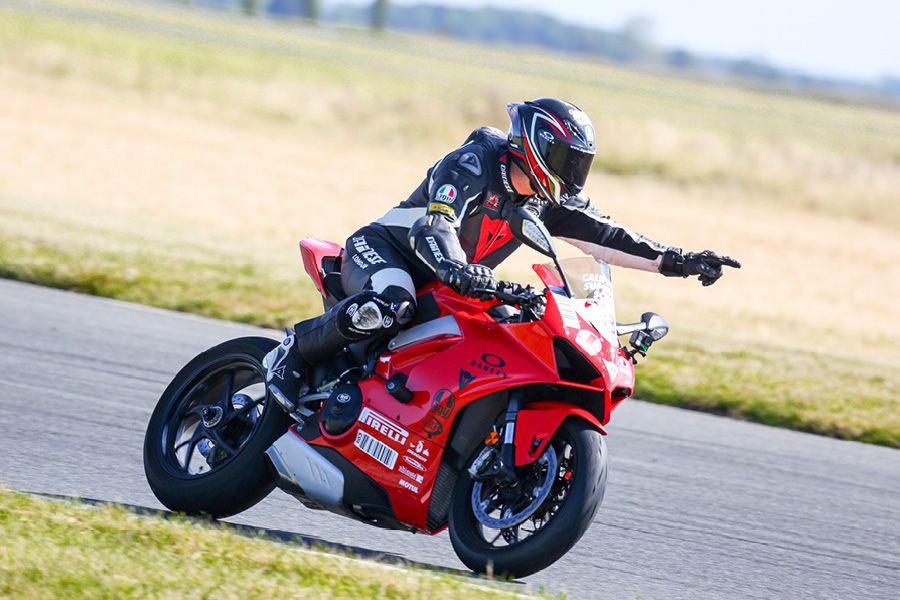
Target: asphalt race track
(698,506)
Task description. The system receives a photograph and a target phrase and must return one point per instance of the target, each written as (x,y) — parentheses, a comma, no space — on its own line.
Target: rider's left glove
(707,264)
(465,279)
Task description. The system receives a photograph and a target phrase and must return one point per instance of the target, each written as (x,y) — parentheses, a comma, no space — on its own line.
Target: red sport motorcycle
(484,415)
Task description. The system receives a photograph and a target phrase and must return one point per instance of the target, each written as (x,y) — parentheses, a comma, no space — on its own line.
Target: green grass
(137,264)
(797,389)
(55,549)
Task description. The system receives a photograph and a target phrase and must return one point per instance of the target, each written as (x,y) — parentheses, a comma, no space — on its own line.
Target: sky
(858,39)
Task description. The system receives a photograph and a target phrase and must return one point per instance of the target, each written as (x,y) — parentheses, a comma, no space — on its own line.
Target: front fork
(491,463)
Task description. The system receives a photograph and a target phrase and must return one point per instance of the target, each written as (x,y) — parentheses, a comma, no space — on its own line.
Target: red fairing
(548,276)
(469,357)
(313,251)
(445,374)
(564,319)
(537,423)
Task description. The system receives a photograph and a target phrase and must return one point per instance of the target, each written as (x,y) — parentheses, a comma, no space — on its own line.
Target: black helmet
(553,143)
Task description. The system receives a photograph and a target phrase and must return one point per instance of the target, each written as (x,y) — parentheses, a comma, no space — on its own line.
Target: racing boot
(315,340)
(284,372)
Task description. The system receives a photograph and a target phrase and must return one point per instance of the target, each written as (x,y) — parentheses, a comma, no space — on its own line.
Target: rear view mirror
(655,325)
(652,328)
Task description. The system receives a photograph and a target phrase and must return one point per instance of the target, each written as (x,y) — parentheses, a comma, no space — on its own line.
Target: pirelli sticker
(441,208)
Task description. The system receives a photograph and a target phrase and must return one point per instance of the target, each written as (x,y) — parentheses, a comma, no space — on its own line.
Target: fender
(538,421)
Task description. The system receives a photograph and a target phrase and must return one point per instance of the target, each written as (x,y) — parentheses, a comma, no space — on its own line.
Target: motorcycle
(484,415)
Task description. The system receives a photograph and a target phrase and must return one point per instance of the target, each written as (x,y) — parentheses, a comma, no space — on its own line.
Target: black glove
(466,278)
(707,264)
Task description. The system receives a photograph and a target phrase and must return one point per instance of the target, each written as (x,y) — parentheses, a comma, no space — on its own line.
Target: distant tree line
(632,44)
(374,15)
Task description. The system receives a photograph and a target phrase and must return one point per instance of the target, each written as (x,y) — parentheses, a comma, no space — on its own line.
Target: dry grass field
(175,158)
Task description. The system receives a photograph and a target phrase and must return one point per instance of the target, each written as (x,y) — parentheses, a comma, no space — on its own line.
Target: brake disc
(507,517)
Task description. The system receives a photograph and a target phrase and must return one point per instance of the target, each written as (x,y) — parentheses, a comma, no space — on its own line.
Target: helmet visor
(571,164)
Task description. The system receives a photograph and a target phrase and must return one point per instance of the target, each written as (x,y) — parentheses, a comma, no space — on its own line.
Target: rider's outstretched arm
(578,222)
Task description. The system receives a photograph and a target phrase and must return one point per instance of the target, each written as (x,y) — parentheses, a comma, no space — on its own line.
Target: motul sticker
(446,194)
(413,488)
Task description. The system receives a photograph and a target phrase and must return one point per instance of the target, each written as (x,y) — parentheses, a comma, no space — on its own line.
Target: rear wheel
(516,530)
(204,450)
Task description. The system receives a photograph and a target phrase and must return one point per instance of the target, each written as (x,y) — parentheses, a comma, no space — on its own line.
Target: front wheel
(517,530)
(204,451)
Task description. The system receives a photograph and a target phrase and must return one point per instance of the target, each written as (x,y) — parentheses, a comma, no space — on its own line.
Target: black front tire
(242,481)
(554,539)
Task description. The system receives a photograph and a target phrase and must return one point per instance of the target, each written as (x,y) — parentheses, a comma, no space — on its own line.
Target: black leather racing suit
(459,213)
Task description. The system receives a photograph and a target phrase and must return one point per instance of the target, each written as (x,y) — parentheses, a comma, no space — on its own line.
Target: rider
(454,228)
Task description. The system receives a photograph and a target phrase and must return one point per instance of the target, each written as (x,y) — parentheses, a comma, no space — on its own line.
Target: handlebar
(508,292)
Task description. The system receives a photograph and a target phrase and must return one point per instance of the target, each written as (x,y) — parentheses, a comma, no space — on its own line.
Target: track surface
(698,506)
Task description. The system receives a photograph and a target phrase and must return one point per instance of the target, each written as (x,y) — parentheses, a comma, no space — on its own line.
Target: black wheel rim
(213,416)
(509,499)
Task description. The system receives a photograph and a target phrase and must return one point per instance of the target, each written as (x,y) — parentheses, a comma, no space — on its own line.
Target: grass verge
(55,549)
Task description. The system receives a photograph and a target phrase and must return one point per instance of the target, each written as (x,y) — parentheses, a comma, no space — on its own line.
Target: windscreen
(590,279)
(592,292)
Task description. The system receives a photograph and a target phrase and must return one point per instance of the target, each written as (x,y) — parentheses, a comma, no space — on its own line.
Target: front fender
(536,424)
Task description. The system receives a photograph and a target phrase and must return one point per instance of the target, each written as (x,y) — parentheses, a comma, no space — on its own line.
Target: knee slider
(403,303)
(369,313)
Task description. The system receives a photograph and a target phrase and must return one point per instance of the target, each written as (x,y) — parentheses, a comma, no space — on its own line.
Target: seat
(331,281)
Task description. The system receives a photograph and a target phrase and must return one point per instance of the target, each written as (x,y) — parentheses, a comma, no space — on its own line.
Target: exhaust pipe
(304,472)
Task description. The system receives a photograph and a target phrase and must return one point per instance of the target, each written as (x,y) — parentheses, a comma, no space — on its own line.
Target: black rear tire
(558,535)
(241,481)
